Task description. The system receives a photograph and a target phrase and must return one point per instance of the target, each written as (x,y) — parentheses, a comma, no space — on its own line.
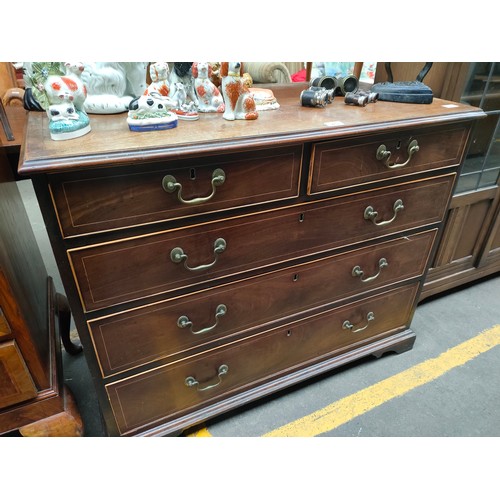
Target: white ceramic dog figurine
(239,102)
(209,98)
(159,74)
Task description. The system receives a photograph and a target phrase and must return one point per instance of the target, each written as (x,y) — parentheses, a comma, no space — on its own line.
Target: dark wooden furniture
(218,262)
(470,247)
(33,398)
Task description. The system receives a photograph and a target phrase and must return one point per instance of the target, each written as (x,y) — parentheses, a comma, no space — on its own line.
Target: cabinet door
(16,384)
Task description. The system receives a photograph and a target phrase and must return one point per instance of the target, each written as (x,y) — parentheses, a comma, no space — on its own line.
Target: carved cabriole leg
(65,424)
(64,315)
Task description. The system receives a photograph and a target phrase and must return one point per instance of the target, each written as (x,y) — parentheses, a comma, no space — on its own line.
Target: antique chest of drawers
(218,262)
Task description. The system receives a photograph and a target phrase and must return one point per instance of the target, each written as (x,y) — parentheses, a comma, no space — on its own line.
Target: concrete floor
(462,401)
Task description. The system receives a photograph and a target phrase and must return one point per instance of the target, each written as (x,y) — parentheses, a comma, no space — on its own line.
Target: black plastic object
(412,92)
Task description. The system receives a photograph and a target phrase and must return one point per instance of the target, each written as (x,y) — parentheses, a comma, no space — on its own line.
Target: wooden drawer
(16,384)
(117,272)
(100,201)
(133,338)
(339,164)
(171,390)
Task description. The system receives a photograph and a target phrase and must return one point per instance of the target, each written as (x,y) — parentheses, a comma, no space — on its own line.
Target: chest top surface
(110,141)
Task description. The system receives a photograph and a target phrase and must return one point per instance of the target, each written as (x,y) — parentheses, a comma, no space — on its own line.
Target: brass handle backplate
(177,255)
(371,214)
(192,382)
(170,184)
(384,155)
(357,272)
(347,325)
(184,322)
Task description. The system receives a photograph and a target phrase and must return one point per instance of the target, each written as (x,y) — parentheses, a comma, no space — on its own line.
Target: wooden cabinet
(33,398)
(218,262)
(470,247)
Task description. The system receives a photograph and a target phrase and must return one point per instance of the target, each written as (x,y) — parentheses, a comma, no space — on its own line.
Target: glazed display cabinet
(470,248)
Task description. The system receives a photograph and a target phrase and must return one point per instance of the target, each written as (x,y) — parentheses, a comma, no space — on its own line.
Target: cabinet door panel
(16,384)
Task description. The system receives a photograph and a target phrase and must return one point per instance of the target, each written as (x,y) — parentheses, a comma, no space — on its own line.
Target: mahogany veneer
(309,254)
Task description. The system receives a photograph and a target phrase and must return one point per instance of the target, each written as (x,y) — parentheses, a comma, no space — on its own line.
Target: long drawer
(171,390)
(179,327)
(120,271)
(99,201)
(338,164)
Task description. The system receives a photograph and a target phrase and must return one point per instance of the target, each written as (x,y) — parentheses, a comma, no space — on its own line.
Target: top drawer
(339,164)
(106,200)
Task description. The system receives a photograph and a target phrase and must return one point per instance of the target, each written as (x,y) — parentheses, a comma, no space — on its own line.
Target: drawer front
(188,324)
(16,384)
(169,391)
(121,271)
(103,201)
(339,164)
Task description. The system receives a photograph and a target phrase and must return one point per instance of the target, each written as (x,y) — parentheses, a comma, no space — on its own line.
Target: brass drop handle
(371,214)
(177,255)
(170,184)
(357,272)
(384,155)
(347,325)
(184,322)
(192,382)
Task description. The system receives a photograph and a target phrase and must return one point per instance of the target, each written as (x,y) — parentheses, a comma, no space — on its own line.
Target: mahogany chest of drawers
(218,262)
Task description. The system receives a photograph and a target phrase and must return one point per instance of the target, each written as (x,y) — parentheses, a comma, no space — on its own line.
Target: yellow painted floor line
(199,433)
(340,412)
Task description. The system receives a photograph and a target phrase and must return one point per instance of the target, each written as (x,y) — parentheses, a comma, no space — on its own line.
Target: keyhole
(398,145)
(289,333)
(295,277)
(301,218)
(192,174)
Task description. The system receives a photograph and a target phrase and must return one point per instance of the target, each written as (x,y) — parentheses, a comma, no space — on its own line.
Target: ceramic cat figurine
(59,90)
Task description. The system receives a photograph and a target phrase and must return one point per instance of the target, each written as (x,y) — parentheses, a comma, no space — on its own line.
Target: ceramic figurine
(185,110)
(182,73)
(112,86)
(209,97)
(159,74)
(239,102)
(59,90)
(151,112)
(264,99)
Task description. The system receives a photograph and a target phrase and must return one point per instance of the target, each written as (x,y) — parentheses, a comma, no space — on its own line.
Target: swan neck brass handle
(170,184)
(178,255)
(357,272)
(192,382)
(384,155)
(347,325)
(371,214)
(184,321)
